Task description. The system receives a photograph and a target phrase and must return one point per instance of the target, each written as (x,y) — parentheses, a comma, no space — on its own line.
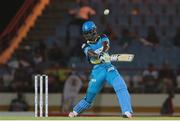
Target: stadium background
(36,37)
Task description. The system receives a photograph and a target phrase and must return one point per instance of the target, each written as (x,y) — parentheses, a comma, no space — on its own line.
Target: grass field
(88,118)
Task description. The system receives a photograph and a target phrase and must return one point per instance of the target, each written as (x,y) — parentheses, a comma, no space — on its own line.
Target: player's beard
(91,37)
(93,40)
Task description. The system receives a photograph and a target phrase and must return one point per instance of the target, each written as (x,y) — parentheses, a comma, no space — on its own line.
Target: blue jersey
(97,47)
(100,74)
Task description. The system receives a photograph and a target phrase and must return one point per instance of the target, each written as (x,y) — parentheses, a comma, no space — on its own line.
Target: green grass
(87,118)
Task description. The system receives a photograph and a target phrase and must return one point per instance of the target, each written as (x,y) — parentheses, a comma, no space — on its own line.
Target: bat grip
(113,57)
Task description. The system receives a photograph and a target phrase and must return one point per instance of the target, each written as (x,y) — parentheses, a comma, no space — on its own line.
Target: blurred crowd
(133,29)
(19,78)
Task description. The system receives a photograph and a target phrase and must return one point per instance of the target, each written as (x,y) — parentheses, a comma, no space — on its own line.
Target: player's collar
(90,42)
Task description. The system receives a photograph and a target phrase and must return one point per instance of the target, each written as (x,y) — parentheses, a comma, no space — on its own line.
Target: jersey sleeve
(85,47)
(104,38)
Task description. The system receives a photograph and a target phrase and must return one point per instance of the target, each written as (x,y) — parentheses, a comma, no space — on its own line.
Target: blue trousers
(101,74)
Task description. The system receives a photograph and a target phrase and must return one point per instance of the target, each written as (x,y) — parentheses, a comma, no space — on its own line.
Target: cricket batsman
(96,50)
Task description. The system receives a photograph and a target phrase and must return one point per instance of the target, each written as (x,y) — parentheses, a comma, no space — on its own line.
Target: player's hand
(104,57)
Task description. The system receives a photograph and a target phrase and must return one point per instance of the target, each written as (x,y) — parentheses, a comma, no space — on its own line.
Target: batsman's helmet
(89,30)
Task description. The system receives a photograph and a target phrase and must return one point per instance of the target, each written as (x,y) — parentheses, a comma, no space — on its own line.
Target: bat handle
(113,57)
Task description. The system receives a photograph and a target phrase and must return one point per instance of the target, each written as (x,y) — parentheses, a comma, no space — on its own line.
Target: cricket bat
(115,57)
(122,57)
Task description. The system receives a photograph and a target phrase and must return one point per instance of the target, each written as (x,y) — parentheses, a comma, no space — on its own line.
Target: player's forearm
(91,53)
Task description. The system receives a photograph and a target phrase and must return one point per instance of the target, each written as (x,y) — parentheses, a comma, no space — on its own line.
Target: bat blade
(122,57)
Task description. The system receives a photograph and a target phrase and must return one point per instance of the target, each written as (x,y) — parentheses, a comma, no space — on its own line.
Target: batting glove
(104,57)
